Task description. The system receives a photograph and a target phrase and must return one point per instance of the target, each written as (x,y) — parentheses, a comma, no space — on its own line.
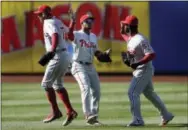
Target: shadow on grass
(148,125)
(169,125)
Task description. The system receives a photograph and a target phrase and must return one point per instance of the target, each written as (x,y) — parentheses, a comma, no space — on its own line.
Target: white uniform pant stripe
(88,81)
(84,88)
(134,94)
(49,77)
(133,101)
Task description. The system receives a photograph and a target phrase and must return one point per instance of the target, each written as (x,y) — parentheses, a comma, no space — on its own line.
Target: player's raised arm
(70,35)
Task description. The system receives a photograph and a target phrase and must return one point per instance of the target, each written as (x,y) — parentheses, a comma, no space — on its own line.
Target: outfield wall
(169,36)
(161,22)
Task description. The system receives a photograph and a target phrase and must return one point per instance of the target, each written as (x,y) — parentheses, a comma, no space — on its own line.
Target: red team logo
(87,44)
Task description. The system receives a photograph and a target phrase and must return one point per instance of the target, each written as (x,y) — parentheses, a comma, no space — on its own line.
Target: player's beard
(87,26)
(127,30)
(122,31)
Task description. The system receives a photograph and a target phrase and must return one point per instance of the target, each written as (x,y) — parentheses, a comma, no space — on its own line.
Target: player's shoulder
(53,21)
(77,32)
(93,35)
(81,32)
(139,38)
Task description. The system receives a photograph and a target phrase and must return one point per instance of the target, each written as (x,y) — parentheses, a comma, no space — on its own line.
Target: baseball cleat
(70,117)
(52,117)
(95,123)
(92,120)
(136,123)
(167,120)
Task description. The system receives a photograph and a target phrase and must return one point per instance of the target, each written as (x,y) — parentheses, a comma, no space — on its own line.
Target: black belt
(84,63)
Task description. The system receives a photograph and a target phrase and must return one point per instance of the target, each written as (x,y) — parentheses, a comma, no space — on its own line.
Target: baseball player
(139,57)
(84,49)
(58,59)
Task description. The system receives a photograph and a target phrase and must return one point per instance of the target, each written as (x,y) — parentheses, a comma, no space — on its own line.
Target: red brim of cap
(127,23)
(87,18)
(37,12)
(124,22)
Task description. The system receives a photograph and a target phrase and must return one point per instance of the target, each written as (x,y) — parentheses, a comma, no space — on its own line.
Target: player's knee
(130,92)
(45,86)
(146,94)
(149,94)
(57,87)
(133,94)
(96,93)
(85,90)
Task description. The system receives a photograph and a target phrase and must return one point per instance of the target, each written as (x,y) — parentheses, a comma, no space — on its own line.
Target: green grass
(24,106)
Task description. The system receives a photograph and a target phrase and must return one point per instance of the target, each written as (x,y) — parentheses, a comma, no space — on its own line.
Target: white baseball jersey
(139,46)
(84,46)
(50,27)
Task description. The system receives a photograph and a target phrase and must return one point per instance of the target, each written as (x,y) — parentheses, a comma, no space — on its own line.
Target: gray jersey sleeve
(52,28)
(146,47)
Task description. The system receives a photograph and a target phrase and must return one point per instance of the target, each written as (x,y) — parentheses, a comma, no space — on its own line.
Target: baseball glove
(127,58)
(104,56)
(46,58)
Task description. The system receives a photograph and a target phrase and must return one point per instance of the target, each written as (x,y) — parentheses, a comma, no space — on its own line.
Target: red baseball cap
(42,9)
(84,17)
(130,20)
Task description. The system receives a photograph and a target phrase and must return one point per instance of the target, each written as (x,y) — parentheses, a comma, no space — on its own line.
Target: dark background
(169,36)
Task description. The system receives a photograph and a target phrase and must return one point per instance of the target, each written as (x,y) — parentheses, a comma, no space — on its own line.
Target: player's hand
(125,58)
(72,15)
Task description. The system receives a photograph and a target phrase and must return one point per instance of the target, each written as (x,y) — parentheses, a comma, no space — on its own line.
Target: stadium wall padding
(163,23)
